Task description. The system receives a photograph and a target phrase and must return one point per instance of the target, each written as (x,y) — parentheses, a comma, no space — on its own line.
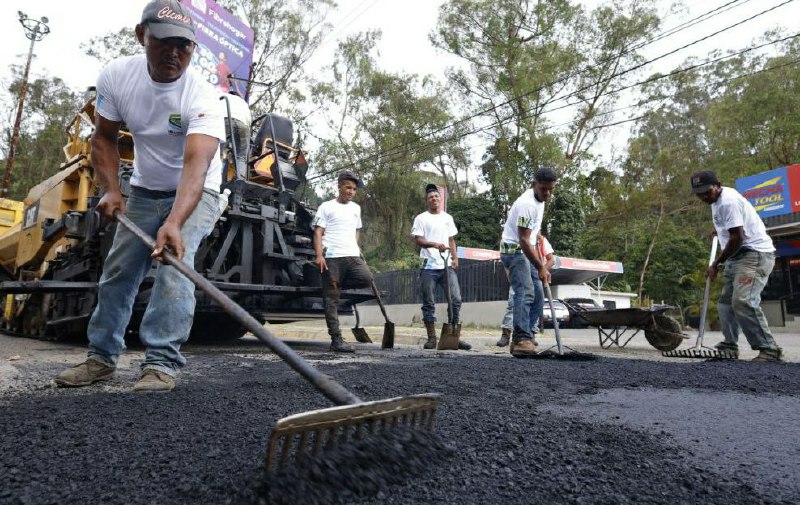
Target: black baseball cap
(168,18)
(346,175)
(431,188)
(703,180)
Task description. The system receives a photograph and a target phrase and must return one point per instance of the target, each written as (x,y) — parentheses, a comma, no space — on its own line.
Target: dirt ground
(629,426)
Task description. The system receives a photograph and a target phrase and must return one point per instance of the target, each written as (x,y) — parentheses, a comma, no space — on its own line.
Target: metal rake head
(702,353)
(309,433)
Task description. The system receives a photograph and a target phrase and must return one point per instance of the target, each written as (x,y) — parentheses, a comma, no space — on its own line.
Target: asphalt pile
(497,439)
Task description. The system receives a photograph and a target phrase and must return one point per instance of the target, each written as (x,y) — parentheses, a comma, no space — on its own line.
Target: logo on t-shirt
(175,127)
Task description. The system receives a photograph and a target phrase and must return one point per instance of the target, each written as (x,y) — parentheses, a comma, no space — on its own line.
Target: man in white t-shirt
(435,232)
(544,250)
(518,254)
(173,115)
(336,228)
(749,257)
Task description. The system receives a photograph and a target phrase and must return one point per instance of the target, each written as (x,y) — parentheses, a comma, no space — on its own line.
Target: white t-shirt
(732,210)
(526,212)
(435,228)
(340,222)
(160,116)
(546,248)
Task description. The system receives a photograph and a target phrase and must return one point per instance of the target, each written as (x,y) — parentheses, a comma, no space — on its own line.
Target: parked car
(562,314)
(576,306)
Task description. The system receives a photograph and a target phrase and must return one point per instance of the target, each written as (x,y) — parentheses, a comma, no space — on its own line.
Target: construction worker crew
(749,256)
(545,250)
(435,232)
(174,117)
(336,228)
(518,253)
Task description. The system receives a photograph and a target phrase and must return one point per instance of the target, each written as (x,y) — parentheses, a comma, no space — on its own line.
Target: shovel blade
(309,433)
(448,341)
(361,335)
(388,336)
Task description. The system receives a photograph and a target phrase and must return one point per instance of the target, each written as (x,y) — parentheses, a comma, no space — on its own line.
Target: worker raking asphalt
(508,431)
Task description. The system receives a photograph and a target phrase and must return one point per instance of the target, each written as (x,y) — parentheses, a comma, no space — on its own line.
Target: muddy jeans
(739,305)
(528,293)
(350,272)
(168,317)
(429,279)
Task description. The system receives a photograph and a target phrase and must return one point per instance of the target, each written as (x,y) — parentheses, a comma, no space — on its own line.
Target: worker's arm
(105,160)
(529,249)
(319,231)
(551,260)
(197,156)
(453,252)
(423,242)
(733,245)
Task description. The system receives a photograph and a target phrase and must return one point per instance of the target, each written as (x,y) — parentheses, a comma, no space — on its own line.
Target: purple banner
(767,191)
(224,50)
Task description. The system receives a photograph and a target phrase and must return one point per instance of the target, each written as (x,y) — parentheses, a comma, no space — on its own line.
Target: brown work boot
(523,348)
(339,345)
(88,372)
(462,346)
(154,381)
(430,327)
(504,337)
(770,355)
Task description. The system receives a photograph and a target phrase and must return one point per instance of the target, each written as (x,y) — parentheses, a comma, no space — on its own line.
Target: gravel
(508,431)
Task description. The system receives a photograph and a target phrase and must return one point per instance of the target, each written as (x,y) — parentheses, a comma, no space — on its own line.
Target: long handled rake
(699,351)
(308,433)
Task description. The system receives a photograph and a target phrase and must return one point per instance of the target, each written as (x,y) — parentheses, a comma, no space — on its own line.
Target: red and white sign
(472,253)
(793,173)
(591,265)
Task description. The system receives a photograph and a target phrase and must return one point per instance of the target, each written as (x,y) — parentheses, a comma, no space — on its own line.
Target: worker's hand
(110,202)
(711,273)
(441,247)
(321,263)
(169,235)
(454,263)
(544,275)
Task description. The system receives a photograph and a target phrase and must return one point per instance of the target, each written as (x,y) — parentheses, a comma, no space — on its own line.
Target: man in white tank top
(749,256)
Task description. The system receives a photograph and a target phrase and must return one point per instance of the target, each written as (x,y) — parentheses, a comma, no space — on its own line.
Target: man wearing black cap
(749,256)
(336,226)
(174,117)
(526,269)
(435,233)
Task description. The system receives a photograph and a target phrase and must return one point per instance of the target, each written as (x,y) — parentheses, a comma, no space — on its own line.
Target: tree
(113,45)
(477,220)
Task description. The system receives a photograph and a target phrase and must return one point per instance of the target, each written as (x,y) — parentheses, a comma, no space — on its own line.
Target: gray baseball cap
(168,18)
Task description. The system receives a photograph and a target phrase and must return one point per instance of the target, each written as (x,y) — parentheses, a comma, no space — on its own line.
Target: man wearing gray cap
(336,228)
(749,256)
(174,117)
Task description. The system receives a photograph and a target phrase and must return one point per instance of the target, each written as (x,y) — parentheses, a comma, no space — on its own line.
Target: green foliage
(478,222)
(112,45)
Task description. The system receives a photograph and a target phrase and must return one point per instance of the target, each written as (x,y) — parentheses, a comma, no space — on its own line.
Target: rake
(300,435)
(699,351)
(559,353)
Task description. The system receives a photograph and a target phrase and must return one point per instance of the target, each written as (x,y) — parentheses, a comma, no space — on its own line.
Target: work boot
(504,337)
(154,381)
(523,348)
(339,345)
(770,355)
(88,372)
(430,327)
(728,348)
(462,346)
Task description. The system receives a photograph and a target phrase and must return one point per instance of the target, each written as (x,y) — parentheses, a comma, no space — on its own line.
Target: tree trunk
(650,249)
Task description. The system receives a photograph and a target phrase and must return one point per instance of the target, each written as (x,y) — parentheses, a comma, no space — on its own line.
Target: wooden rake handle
(337,393)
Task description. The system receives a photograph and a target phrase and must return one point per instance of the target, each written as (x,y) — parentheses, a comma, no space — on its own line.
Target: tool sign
(772,192)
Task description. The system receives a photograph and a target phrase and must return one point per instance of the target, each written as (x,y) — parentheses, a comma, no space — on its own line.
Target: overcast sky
(405,25)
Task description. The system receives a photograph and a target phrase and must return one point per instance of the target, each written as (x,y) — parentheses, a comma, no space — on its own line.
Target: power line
(393,151)
(438,142)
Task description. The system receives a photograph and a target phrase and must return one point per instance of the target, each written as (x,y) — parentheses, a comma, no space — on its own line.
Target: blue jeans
(168,318)
(528,293)
(429,279)
(536,317)
(739,304)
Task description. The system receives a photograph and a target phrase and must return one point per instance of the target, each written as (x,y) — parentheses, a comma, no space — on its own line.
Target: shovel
(448,341)
(359,333)
(388,326)
(298,436)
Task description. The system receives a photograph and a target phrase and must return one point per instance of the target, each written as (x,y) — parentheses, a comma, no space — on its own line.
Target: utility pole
(35,30)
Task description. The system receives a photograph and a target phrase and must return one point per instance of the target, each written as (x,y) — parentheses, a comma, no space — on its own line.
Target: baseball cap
(168,18)
(346,175)
(703,180)
(430,188)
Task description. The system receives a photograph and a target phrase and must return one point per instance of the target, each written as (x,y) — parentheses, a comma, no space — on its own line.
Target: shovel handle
(706,294)
(447,287)
(377,294)
(337,393)
(553,317)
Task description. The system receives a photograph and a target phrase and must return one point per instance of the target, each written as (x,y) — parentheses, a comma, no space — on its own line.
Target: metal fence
(482,281)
